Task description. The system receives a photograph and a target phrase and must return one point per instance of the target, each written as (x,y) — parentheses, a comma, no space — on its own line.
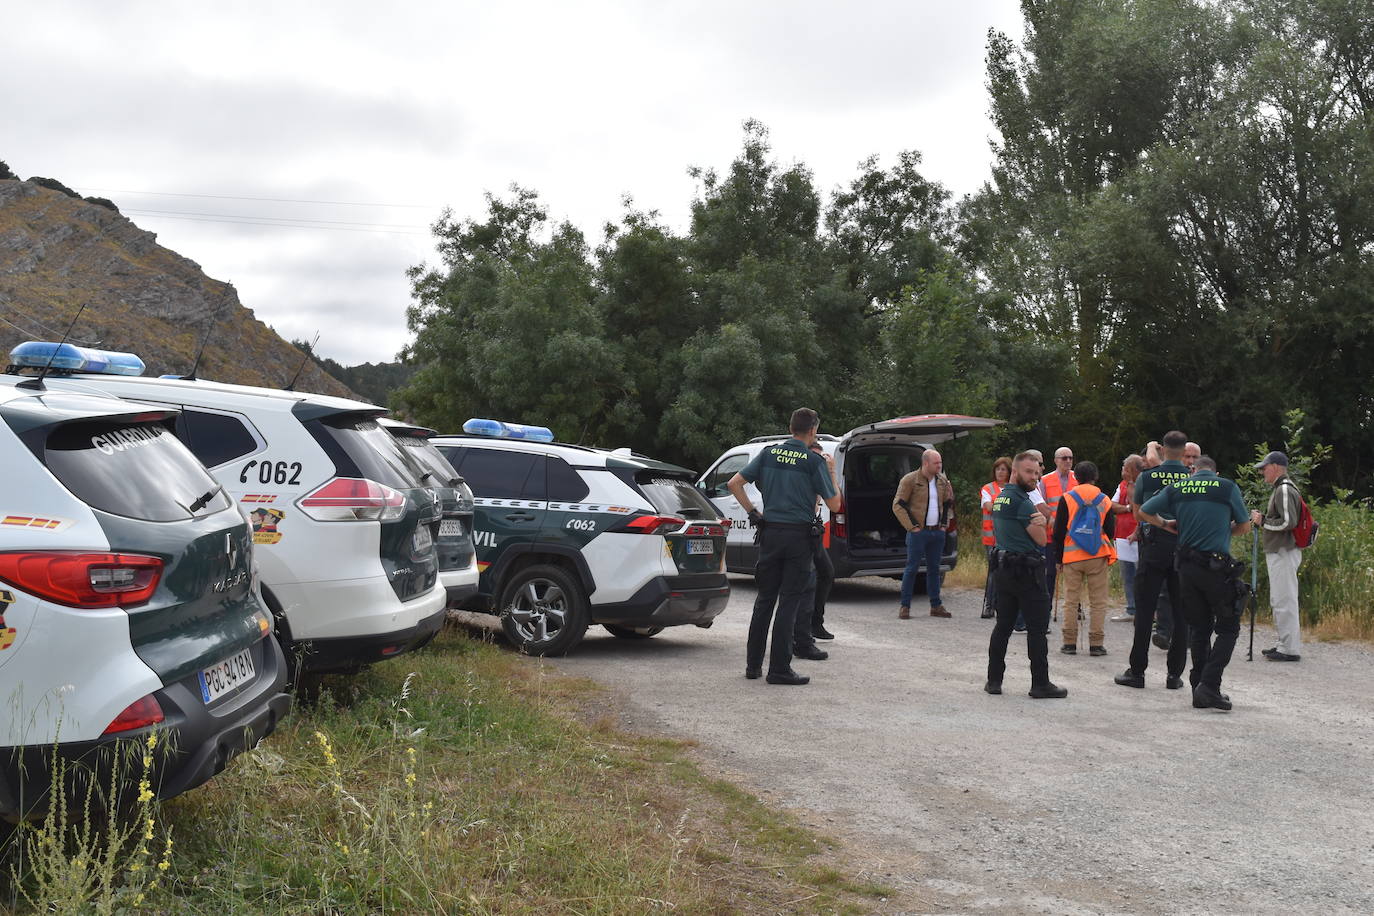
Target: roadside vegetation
(465,779)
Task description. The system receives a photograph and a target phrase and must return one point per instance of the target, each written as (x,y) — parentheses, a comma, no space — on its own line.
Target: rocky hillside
(59,251)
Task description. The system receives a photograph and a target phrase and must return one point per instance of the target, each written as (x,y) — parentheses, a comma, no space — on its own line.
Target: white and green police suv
(343,529)
(568,536)
(126,603)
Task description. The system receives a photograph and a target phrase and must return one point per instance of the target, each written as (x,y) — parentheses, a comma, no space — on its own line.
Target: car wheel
(620,632)
(543,610)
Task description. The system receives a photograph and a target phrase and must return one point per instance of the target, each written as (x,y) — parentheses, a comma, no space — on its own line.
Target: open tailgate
(927,429)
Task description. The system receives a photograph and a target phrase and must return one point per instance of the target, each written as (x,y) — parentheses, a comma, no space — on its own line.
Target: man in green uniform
(1209,512)
(1020,534)
(789,477)
(1155,571)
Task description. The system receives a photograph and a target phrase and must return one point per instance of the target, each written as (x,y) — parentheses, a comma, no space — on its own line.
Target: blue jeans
(926,545)
(1128,583)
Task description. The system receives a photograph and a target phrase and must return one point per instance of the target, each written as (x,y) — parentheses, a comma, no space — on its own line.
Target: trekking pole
(1054,609)
(1254,590)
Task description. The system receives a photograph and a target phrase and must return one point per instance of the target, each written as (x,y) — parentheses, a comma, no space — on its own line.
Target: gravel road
(1112,800)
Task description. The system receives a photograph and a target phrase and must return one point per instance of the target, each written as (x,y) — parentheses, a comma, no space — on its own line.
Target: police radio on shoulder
(65,357)
(497,429)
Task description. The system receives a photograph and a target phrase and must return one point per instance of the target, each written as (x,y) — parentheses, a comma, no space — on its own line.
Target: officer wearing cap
(1209,512)
(1155,571)
(790,477)
(1020,534)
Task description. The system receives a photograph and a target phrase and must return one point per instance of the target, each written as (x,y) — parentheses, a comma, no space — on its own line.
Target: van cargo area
(871,476)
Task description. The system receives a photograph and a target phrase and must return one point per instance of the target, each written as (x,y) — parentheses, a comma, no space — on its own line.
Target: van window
(870,469)
(138,471)
(500,474)
(215,438)
(729,467)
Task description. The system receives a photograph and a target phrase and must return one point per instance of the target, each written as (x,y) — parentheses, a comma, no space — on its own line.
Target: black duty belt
(1216,562)
(1009,559)
(788,526)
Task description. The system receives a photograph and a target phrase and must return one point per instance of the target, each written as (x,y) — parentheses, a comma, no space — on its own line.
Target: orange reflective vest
(1072,552)
(1050,484)
(987,495)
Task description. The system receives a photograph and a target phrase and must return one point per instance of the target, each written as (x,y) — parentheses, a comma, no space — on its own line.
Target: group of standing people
(1170,525)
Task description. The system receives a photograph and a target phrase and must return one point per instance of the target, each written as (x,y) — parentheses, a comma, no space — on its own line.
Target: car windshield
(135,470)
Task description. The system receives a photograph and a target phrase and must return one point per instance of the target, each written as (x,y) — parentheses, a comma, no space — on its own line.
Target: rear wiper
(202,501)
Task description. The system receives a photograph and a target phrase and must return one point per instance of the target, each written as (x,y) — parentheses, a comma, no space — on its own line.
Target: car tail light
(84,580)
(839,528)
(651,524)
(138,714)
(716,530)
(353,499)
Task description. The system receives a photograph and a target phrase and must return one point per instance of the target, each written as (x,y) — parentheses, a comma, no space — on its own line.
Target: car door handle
(520,517)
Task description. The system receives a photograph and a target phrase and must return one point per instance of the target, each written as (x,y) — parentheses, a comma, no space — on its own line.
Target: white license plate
(450,528)
(700,545)
(217,680)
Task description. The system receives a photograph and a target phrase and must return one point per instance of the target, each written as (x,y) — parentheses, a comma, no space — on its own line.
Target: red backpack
(1305,532)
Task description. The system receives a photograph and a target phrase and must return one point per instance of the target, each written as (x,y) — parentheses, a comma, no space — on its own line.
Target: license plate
(217,680)
(450,528)
(700,546)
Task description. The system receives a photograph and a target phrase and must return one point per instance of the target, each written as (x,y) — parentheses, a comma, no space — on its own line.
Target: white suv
(864,538)
(343,529)
(569,536)
(126,604)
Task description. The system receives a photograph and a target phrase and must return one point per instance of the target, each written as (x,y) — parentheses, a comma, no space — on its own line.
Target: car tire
(620,632)
(543,610)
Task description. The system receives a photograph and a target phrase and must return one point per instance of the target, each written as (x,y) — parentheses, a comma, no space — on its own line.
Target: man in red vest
(1084,529)
(1052,487)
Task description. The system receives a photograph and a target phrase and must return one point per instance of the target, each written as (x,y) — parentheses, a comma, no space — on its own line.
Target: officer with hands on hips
(1209,512)
(790,477)
(1020,533)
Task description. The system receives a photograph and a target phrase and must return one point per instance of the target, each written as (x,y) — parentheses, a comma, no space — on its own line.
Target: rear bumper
(195,742)
(349,653)
(668,601)
(460,584)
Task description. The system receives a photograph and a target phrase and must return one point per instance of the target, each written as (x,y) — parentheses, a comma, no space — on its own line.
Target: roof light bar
(65,357)
(499,430)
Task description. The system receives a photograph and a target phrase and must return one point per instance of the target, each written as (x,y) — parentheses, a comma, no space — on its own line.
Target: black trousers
(825,578)
(1209,606)
(1021,590)
(786,560)
(1154,572)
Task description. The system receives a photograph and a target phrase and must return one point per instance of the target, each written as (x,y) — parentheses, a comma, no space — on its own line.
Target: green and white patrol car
(342,526)
(126,603)
(568,536)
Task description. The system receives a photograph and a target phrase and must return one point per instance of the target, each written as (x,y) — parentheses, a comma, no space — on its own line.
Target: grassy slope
(520,795)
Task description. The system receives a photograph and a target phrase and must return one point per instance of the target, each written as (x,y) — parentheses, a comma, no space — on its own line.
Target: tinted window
(499,474)
(215,438)
(565,484)
(429,459)
(673,496)
(372,450)
(725,470)
(881,470)
(139,471)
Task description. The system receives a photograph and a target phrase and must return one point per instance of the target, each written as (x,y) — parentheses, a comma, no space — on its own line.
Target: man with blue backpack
(1082,543)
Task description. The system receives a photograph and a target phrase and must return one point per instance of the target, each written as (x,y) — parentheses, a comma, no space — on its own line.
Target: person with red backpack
(1283,522)
(1084,529)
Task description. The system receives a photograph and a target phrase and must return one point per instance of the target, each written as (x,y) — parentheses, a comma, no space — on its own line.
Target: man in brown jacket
(922,506)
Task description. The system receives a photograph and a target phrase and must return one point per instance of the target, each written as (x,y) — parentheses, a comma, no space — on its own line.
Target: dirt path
(1113,800)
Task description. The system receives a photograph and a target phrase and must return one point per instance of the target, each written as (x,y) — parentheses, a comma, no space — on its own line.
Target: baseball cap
(1278,458)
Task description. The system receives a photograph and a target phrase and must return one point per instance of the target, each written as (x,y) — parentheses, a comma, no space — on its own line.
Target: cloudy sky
(301,150)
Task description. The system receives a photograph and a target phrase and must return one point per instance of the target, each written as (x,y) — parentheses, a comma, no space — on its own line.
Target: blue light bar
(499,430)
(67,357)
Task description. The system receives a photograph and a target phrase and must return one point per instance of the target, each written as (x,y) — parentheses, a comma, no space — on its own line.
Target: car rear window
(372,450)
(215,438)
(135,470)
(428,458)
(674,496)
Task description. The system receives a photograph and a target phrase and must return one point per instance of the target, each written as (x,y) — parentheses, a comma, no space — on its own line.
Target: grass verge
(467,779)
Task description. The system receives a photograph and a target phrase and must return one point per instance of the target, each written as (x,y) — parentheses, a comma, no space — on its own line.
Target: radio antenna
(36,383)
(309,352)
(214,320)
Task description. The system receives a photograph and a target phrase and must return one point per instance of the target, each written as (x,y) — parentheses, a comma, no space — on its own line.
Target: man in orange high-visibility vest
(1084,528)
(1052,487)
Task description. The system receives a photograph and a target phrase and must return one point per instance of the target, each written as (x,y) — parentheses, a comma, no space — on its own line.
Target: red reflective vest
(1072,552)
(985,498)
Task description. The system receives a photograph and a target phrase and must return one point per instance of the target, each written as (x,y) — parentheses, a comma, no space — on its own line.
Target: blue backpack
(1086,529)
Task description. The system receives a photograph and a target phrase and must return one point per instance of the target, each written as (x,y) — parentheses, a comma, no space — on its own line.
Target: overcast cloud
(412,107)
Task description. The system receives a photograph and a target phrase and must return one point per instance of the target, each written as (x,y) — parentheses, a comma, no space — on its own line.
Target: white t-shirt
(933,506)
